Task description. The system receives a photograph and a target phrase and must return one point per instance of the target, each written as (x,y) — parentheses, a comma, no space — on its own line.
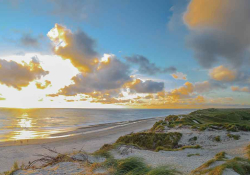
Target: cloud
(222,73)
(220,31)
(20,75)
(146,67)
(179,76)
(200,99)
(182,92)
(43,86)
(147,86)
(29,41)
(201,87)
(238,89)
(110,74)
(78,47)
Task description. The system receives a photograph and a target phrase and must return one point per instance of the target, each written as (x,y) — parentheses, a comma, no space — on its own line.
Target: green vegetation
(239,165)
(193,139)
(104,150)
(132,165)
(217,139)
(190,155)
(159,126)
(218,157)
(178,149)
(135,166)
(151,141)
(248,151)
(15,167)
(235,137)
(229,119)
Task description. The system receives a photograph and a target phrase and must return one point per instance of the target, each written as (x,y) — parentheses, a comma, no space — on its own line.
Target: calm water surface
(16,124)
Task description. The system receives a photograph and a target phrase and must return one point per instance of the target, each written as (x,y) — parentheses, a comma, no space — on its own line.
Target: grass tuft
(248,151)
(217,139)
(104,150)
(235,137)
(190,155)
(135,166)
(15,167)
(178,149)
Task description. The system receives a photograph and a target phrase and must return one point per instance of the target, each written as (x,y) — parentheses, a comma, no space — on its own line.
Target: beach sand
(89,139)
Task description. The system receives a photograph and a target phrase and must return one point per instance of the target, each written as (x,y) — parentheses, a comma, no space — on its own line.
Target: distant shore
(88,138)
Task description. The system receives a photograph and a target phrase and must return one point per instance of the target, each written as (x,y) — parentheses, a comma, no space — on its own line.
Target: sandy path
(90,142)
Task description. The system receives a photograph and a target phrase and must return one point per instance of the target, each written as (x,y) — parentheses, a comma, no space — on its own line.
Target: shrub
(151,141)
(104,150)
(132,165)
(217,139)
(193,139)
(235,137)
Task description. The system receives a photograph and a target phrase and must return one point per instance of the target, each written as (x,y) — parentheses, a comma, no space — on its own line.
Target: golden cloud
(238,89)
(78,47)
(179,76)
(222,73)
(43,86)
(204,13)
(182,92)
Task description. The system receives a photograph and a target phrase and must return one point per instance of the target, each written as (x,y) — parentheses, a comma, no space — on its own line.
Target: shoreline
(89,139)
(75,132)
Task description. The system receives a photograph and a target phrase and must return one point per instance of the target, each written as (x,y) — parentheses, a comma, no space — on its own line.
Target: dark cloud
(147,86)
(208,86)
(220,33)
(17,75)
(146,67)
(30,41)
(215,46)
(107,76)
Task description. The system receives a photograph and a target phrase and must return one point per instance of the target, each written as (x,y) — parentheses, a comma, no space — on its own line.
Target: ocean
(18,124)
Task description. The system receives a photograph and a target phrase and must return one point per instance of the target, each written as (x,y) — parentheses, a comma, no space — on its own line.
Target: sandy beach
(89,139)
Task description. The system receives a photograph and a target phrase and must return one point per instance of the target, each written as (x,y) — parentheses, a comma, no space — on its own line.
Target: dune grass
(191,155)
(229,119)
(135,166)
(104,150)
(151,141)
(14,168)
(234,136)
(237,164)
(217,139)
(178,149)
(248,151)
(202,169)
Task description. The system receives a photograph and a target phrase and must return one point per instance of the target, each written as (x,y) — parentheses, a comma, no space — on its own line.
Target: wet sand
(89,139)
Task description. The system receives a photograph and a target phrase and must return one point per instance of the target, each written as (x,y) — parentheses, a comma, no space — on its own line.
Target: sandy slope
(180,159)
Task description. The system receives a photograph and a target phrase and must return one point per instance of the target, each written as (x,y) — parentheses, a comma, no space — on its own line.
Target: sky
(124,53)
